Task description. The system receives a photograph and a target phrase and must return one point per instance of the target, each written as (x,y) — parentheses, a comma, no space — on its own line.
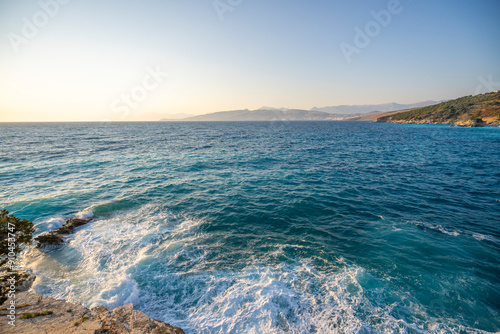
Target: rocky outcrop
(13,281)
(38,315)
(475,123)
(35,314)
(70,225)
(48,239)
(55,238)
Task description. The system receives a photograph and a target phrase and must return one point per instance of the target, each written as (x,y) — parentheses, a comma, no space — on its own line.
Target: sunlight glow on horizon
(81,67)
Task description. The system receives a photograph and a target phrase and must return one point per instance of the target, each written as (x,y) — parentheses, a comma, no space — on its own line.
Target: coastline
(37,314)
(25,311)
(464,124)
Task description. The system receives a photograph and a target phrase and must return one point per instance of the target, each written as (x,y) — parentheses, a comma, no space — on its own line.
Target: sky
(90,60)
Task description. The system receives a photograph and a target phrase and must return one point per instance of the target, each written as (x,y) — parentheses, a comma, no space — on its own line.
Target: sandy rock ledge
(74,318)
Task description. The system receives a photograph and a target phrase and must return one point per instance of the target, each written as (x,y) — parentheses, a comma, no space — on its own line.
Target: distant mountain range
(266,115)
(332,113)
(362,109)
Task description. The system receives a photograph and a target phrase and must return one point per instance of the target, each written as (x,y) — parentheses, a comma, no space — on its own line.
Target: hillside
(460,111)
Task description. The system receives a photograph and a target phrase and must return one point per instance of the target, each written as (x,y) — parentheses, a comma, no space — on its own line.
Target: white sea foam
(54,223)
(102,256)
(457,232)
(51,224)
(479,236)
(278,300)
(438,228)
(128,258)
(85,214)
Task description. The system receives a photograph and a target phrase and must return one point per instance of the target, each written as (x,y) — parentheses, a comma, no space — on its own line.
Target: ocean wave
(161,262)
(54,223)
(85,214)
(50,224)
(437,228)
(100,257)
(454,232)
(299,299)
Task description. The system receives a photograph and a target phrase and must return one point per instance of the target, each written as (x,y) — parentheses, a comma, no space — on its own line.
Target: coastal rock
(475,123)
(54,238)
(38,315)
(70,225)
(23,281)
(48,239)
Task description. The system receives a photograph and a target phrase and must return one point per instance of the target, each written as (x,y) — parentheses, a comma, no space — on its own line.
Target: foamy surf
(51,224)
(100,256)
(54,223)
(282,299)
(85,214)
(166,264)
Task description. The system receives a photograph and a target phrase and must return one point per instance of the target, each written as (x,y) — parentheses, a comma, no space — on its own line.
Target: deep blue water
(272,227)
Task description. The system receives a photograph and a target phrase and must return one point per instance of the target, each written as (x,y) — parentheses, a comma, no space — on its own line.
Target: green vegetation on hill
(461,110)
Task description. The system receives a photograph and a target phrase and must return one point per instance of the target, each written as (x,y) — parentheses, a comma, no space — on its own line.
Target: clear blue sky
(89,54)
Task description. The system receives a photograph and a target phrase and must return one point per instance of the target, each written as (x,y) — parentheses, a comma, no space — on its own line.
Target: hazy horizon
(128,61)
(176,117)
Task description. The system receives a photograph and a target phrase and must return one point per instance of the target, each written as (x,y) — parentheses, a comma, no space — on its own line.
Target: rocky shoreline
(477,123)
(35,314)
(23,311)
(466,111)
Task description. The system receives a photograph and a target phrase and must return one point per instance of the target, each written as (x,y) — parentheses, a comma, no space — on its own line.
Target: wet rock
(54,238)
(70,225)
(48,239)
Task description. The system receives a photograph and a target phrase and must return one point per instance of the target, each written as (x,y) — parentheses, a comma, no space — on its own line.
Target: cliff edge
(35,314)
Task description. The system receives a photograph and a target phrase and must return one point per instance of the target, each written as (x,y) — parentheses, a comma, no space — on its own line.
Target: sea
(266,227)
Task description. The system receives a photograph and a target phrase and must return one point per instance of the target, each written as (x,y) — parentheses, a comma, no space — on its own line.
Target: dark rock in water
(49,239)
(54,238)
(70,225)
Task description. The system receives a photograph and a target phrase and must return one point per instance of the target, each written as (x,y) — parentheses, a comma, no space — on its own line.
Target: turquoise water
(277,227)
